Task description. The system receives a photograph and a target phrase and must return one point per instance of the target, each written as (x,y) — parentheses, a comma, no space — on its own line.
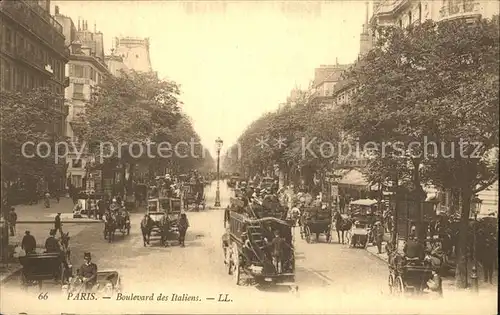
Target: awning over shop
(354,179)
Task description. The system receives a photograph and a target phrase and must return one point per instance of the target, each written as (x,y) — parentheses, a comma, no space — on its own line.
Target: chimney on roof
(57,10)
(79,29)
(95,27)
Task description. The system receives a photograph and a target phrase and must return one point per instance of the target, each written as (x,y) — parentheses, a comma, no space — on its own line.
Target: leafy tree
(135,107)
(26,117)
(433,83)
(295,125)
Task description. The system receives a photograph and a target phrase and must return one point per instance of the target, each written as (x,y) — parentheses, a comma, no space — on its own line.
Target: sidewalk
(39,212)
(448,282)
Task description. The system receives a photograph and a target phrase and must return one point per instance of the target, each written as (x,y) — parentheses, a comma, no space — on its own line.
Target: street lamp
(475,206)
(218,147)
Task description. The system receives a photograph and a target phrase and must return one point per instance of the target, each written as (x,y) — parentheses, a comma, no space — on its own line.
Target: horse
(341,225)
(109,227)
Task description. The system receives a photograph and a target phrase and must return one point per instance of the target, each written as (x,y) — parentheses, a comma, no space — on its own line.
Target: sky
(235,60)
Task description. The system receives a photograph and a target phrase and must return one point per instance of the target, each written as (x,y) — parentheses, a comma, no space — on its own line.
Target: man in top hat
(88,272)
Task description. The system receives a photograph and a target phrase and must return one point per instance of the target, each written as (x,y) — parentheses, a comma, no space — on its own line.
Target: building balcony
(390,7)
(30,59)
(38,21)
(466,9)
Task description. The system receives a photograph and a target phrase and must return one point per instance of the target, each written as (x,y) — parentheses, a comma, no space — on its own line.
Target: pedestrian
(101,204)
(165,230)
(378,235)
(277,245)
(146,226)
(47,200)
(342,203)
(12,221)
(183,225)
(56,195)
(28,244)
(58,223)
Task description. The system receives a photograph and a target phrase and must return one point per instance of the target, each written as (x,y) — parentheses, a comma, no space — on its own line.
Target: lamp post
(218,147)
(475,207)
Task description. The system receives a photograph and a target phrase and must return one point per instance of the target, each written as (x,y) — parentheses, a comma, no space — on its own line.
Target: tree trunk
(131,169)
(416,174)
(461,276)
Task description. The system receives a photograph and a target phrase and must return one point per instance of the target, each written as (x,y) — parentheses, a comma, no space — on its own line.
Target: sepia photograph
(249,157)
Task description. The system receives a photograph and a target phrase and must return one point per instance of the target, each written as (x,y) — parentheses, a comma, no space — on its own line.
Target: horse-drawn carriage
(363,214)
(250,251)
(412,274)
(37,268)
(194,194)
(87,204)
(116,219)
(164,212)
(234,180)
(316,220)
(266,183)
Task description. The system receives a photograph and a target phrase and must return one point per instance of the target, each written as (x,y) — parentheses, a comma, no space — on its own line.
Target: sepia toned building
(33,54)
(134,52)
(406,12)
(86,69)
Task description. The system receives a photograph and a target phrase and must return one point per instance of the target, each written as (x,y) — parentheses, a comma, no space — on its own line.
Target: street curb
(215,208)
(11,275)
(376,255)
(52,221)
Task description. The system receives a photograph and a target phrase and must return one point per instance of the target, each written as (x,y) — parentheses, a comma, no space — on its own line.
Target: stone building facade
(33,54)
(86,69)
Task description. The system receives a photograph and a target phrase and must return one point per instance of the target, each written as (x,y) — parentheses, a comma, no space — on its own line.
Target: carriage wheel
(399,287)
(365,245)
(307,232)
(391,283)
(348,236)
(350,241)
(62,273)
(24,281)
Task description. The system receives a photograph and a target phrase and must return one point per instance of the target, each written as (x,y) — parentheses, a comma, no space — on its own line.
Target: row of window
(16,78)
(85,72)
(44,27)
(20,46)
(409,18)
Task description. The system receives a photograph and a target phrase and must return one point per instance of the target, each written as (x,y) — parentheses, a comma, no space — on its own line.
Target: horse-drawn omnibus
(253,252)
(165,213)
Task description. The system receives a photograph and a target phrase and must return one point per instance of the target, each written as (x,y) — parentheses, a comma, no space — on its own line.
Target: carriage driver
(52,244)
(414,249)
(88,272)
